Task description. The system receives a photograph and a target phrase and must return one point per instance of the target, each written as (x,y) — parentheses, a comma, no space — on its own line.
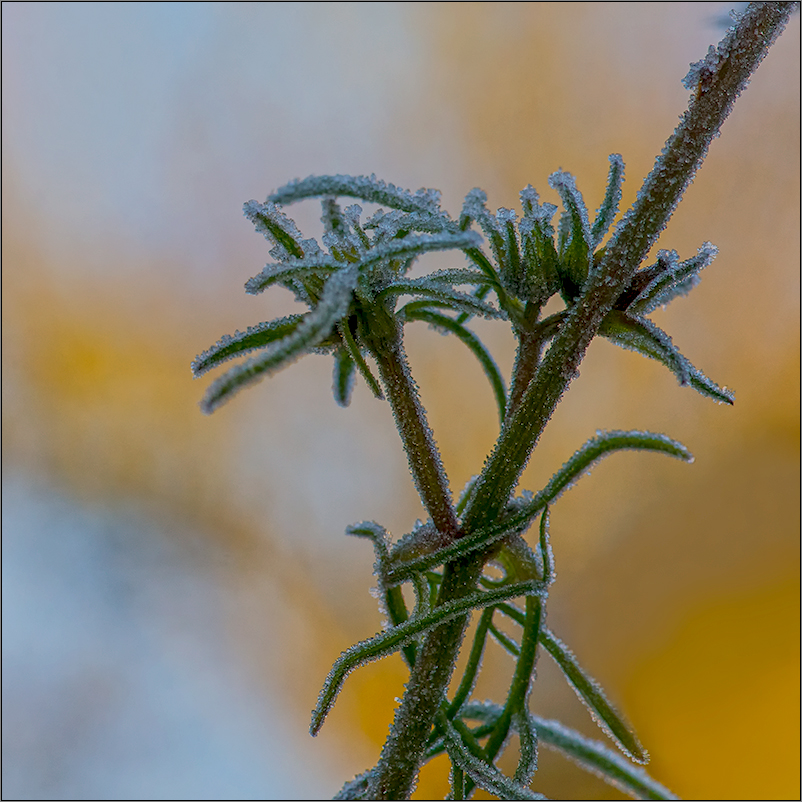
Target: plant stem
(396,771)
(424,459)
(637,232)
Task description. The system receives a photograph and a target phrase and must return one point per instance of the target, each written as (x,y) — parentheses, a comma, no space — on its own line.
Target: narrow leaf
(591,693)
(576,243)
(394,638)
(367,188)
(359,360)
(455,300)
(594,449)
(485,775)
(678,278)
(527,733)
(313,329)
(473,342)
(344,374)
(276,226)
(592,755)
(641,335)
(231,346)
(283,272)
(606,213)
(601,760)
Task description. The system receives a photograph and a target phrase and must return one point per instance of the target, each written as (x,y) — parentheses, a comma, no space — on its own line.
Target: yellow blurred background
(132,135)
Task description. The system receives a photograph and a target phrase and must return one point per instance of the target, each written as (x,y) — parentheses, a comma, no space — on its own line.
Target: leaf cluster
(359,294)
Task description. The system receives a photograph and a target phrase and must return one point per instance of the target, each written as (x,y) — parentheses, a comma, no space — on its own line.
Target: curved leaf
(344,374)
(641,335)
(394,638)
(276,226)
(473,342)
(612,197)
(591,693)
(484,775)
(232,346)
(594,449)
(313,329)
(367,188)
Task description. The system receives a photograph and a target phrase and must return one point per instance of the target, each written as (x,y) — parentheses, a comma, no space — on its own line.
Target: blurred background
(175,587)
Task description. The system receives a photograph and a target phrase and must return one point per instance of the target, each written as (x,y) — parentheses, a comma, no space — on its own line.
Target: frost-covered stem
(395,774)
(740,53)
(424,459)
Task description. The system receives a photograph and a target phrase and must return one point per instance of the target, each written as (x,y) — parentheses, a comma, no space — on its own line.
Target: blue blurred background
(175,587)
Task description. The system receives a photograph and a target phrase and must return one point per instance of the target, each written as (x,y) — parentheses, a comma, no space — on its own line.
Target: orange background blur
(132,134)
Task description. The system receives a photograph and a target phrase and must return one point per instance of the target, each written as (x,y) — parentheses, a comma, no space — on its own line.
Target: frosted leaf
(606,213)
(395,638)
(293,269)
(593,697)
(598,758)
(575,243)
(641,335)
(416,244)
(455,276)
(475,208)
(677,278)
(367,188)
(485,775)
(344,377)
(565,184)
(276,227)
(332,217)
(517,523)
(527,732)
(440,295)
(232,346)
(389,224)
(446,324)
(313,328)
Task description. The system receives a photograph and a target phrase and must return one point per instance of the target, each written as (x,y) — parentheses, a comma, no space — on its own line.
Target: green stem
(424,459)
(403,751)
(657,199)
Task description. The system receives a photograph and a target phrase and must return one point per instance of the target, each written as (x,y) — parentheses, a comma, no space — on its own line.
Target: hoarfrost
(367,188)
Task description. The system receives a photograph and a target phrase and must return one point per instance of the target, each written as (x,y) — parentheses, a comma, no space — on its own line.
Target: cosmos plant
(359,295)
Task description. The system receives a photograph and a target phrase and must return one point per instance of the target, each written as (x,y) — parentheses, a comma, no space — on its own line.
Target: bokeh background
(175,587)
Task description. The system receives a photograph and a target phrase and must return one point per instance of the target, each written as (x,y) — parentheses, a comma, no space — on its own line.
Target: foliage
(360,294)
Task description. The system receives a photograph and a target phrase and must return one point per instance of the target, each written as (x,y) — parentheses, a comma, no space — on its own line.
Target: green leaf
(457,301)
(641,335)
(231,346)
(677,278)
(472,341)
(283,272)
(343,382)
(527,732)
(312,329)
(591,693)
(537,242)
(367,188)
(590,754)
(575,241)
(594,449)
(474,661)
(601,760)
(356,356)
(276,226)
(394,638)
(484,775)
(612,197)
